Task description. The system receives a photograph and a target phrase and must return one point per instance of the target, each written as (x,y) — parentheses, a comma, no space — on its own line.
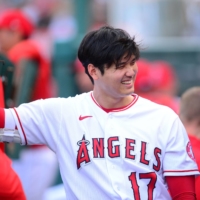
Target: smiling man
(110,143)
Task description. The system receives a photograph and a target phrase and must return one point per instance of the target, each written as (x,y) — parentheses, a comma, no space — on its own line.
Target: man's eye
(120,66)
(132,63)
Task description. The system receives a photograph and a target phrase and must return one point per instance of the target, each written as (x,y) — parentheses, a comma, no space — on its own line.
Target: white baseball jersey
(113,154)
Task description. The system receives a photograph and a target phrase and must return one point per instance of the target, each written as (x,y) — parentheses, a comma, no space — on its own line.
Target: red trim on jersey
(21,125)
(116,109)
(192,170)
(195,147)
(2,118)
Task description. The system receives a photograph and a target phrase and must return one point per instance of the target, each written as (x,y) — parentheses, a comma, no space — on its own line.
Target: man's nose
(131,70)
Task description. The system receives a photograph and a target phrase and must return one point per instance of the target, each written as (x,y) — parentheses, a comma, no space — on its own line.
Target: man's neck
(109,102)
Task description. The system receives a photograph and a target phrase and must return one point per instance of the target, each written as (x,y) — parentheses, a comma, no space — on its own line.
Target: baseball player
(110,143)
(190,116)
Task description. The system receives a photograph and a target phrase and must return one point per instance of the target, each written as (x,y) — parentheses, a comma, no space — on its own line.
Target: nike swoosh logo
(83,117)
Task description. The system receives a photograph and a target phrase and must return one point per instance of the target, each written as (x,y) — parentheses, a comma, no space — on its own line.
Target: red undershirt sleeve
(181,187)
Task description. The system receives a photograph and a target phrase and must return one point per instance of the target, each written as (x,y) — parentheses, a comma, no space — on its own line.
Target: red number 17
(150,187)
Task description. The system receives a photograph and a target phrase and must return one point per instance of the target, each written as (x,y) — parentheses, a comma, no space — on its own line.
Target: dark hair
(106,46)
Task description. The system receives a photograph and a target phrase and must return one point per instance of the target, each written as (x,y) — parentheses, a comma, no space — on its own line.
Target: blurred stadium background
(168,30)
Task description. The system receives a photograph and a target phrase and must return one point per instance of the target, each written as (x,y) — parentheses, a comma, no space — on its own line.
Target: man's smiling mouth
(127,82)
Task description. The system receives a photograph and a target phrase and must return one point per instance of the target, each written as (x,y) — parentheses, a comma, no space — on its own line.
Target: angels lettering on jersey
(113,150)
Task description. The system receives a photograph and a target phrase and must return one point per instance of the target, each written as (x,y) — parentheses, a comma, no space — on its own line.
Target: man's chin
(129,92)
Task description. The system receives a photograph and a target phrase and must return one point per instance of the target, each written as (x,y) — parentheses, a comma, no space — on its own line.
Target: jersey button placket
(113,161)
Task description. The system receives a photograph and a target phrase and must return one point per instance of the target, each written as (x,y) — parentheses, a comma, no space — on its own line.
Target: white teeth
(127,82)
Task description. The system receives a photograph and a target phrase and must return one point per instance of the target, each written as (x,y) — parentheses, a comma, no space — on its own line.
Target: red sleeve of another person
(43,84)
(196,149)
(10,185)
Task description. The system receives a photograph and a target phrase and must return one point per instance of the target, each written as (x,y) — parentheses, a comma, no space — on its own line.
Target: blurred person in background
(10,184)
(99,14)
(15,29)
(190,116)
(82,80)
(165,84)
(37,166)
(157,81)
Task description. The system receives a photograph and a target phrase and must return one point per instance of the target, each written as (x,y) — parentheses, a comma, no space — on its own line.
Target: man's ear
(93,71)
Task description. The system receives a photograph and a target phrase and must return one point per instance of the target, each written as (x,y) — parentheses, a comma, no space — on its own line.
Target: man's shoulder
(62,100)
(148,102)
(151,105)
(80,97)
(76,100)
